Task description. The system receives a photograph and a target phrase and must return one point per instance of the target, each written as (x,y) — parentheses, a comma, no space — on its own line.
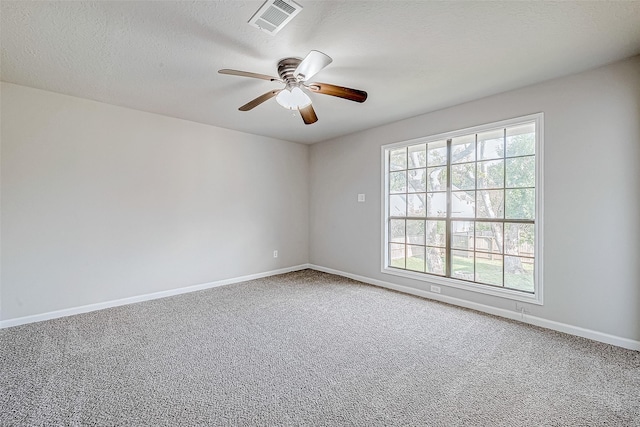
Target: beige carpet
(309,348)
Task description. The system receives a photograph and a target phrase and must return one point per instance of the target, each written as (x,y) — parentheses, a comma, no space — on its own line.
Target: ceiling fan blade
(308,115)
(259,100)
(311,64)
(248,74)
(339,91)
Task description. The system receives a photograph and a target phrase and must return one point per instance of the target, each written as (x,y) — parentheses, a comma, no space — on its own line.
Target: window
(463,209)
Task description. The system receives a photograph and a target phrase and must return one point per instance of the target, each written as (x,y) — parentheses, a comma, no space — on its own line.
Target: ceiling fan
(295,74)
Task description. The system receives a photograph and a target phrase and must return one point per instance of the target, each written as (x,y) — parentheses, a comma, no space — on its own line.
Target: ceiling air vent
(274,14)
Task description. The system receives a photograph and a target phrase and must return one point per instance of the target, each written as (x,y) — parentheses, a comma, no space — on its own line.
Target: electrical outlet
(435,289)
(520,308)
(275,254)
(361,198)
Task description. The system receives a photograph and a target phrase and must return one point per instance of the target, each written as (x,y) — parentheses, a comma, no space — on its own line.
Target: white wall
(591,195)
(101,202)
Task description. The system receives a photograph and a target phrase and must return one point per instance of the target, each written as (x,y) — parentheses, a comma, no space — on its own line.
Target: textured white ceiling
(412,57)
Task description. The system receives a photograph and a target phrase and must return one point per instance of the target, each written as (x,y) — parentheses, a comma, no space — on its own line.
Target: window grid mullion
(475,206)
(406,202)
(504,197)
(448,234)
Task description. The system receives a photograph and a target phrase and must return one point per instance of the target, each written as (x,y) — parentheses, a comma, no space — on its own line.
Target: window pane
(415,231)
(463,149)
(463,177)
(437,179)
(418,156)
(398,205)
(415,257)
(462,266)
(397,230)
(521,172)
(521,140)
(416,205)
(436,231)
(437,204)
(463,204)
(489,237)
(396,255)
(462,235)
(489,269)
(398,182)
(491,145)
(417,180)
(490,203)
(491,174)
(518,273)
(398,159)
(520,203)
(436,261)
(437,153)
(519,239)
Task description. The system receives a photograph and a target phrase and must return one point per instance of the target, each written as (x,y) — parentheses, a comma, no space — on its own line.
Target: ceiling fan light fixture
(294,99)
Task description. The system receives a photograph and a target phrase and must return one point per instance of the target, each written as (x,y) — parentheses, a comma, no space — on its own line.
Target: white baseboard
(140,298)
(533,320)
(514,315)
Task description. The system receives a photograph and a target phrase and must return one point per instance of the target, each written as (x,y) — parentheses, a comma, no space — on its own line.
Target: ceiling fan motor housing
(286,68)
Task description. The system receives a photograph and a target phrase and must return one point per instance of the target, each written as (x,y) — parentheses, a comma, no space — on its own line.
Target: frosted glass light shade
(293,99)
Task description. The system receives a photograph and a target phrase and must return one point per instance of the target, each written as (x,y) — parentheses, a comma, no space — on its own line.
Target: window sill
(532,298)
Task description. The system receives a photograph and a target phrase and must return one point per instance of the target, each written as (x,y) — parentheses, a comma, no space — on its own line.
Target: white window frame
(537,296)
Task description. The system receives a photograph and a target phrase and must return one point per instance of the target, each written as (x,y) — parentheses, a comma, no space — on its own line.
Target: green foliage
(463,176)
(417,181)
(490,148)
(521,145)
(437,153)
(490,272)
(398,182)
(520,172)
(417,156)
(398,159)
(520,203)
(415,231)
(491,174)
(437,233)
(437,179)
(463,151)
(397,230)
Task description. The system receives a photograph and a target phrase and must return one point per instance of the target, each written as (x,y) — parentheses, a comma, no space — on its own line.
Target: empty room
(286,213)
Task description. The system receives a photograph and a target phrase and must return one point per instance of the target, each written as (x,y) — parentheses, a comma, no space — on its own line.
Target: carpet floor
(309,348)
